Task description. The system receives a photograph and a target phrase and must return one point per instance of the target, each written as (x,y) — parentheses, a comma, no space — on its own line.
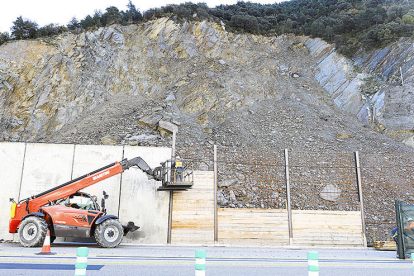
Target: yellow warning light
(13,210)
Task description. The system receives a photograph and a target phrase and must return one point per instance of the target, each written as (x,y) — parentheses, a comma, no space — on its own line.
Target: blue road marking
(45,266)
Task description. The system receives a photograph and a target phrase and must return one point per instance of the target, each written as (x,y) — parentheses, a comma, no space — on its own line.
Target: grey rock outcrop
(391,107)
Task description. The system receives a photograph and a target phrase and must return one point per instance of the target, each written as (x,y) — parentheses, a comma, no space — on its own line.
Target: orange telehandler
(68,212)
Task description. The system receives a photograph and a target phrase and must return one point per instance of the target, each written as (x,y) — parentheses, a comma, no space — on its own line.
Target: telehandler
(68,212)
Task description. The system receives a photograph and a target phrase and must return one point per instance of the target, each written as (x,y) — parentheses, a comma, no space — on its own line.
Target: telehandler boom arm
(64,190)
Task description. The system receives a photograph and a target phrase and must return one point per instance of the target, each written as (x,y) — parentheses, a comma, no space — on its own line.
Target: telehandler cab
(68,212)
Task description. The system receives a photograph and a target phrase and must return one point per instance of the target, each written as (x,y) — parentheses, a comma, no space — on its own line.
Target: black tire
(109,233)
(32,232)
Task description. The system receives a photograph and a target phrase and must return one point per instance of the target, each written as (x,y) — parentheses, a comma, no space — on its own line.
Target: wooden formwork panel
(193,222)
(327,228)
(253,227)
(193,211)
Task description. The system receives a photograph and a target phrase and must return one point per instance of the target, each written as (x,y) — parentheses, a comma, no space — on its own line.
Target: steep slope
(114,85)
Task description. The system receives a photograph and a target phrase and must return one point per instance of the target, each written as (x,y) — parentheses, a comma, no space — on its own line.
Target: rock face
(116,85)
(336,74)
(391,106)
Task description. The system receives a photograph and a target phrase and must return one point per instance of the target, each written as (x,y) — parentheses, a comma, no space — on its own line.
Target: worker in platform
(178,169)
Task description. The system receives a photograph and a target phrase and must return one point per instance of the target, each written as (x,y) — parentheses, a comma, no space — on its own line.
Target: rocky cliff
(133,84)
(376,86)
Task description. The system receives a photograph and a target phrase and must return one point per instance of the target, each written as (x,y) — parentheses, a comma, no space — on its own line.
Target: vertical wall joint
(289,209)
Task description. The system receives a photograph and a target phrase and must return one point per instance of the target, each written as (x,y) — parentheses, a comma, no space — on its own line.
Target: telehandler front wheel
(109,233)
(32,231)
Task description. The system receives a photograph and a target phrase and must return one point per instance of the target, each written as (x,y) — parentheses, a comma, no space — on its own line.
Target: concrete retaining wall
(29,169)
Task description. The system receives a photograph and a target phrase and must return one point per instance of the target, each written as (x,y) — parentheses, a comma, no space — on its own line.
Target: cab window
(79,202)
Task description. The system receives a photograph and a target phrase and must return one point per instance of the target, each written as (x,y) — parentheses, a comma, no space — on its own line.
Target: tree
(245,22)
(366,19)
(395,12)
(112,16)
(182,11)
(87,23)
(4,37)
(408,19)
(97,18)
(318,28)
(73,24)
(385,36)
(347,23)
(24,29)
(49,30)
(329,33)
(132,15)
(373,3)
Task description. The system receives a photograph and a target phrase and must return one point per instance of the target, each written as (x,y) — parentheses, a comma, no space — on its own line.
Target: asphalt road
(130,259)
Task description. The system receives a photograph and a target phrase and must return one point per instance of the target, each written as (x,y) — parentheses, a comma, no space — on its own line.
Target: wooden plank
(327,228)
(385,245)
(194,201)
(181,226)
(250,234)
(199,212)
(330,244)
(250,218)
(324,227)
(193,211)
(250,215)
(333,241)
(253,226)
(194,207)
(325,213)
(247,210)
(255,241)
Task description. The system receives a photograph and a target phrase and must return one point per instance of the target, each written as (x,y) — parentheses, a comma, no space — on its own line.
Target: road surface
(128,259)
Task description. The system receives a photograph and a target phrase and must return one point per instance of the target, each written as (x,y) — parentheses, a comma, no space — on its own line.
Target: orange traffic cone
(46,246)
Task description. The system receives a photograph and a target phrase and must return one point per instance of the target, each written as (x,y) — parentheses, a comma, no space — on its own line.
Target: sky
(45,12)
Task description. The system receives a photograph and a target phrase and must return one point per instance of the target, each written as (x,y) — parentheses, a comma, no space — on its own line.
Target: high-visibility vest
(178,164)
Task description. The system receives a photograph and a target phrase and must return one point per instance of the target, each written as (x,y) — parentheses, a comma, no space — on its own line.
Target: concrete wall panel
(45,166)
(140,200)
(89,158)
(11,159)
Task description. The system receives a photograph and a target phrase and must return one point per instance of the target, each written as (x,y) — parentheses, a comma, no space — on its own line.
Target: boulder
(330,192)
(151,120)
(170,98)
(232,196)
(409,141)
(343,136)
(226,183)
(108,140)
(167,126)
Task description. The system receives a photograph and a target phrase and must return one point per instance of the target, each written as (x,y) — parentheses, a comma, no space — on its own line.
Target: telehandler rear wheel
(109,233)
(32,232)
